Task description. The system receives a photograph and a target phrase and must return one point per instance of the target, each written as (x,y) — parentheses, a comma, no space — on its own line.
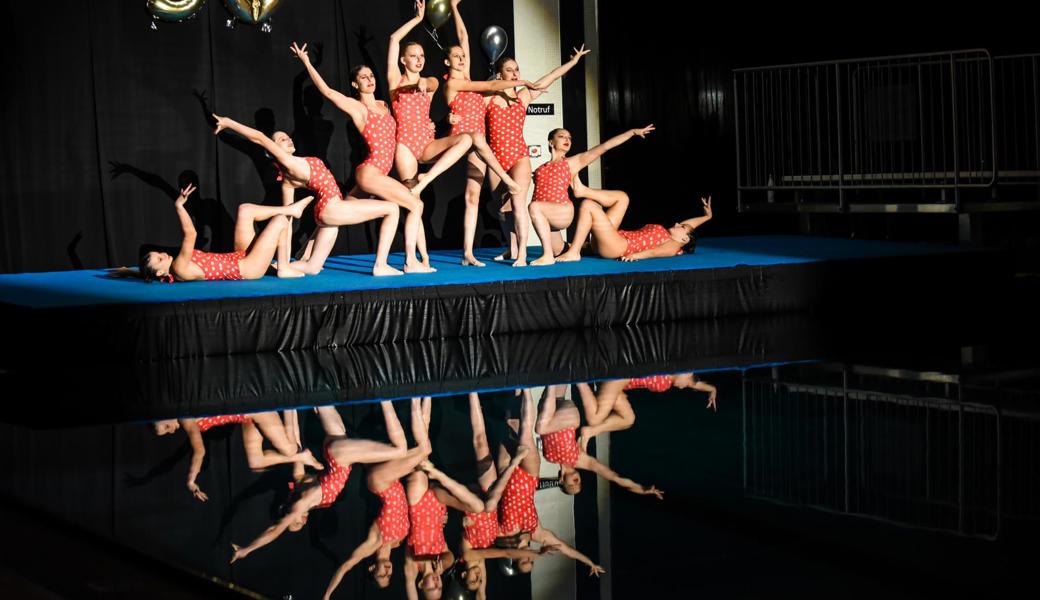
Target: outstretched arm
(696,222)
(546,80)
(662,251)
(255,136)
(704,386)
(198,453)
(584,159)
(393,53)
(269,535)
(366,549)
(188,244)
(591,464)
(460,28)
(547,538)
(495,85)
(496,491)
(345,103)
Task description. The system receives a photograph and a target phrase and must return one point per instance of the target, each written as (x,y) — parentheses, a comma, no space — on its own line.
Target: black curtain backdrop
(104,118)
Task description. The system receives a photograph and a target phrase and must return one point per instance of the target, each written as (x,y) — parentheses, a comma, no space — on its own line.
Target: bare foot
(520,262)
(296,208)
(545,260)
(502,257)
(568,257)
(418,267)
(385,270)
(288,272)
(471,261)
(425,261)
(420,184)
(308,459)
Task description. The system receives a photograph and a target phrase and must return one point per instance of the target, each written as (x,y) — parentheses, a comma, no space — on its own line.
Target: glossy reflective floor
(785,463)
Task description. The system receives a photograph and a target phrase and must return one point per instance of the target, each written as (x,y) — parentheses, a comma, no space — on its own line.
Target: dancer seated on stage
(551,208)
(251,258)
(650,241)
(558,422)
(255,428)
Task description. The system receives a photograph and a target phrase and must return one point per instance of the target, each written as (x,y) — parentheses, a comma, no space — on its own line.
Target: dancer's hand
(188,190)
(433,126)
(578,53)
(197,492)
(645,130)
(239,553)
(300,52)
(221,123)
(596,570)
(427,466)
(455,4)
(454,118)
(706,202)
(420,8)
(653,491)
(531,85)
(629,258)
(711,400)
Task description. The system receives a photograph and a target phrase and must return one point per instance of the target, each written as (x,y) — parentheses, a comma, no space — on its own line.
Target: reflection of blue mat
(352,273)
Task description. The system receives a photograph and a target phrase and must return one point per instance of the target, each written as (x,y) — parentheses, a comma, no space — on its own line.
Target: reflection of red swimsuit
(470,107)
(380,135)
(506,132)
(561,447)
(333,479)
(207,423)
(218,266)
(321,183)
(654,383)
(551,181)
(649,236)
(516,512)
(428,517)
(483,530)
(393,518)
(412,109)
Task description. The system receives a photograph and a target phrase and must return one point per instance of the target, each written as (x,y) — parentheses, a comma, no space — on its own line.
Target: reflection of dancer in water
(430,492)
(558,421)
(252,255)
(341,453)
(480,529)
(392,524)
(551,208)
(609,241)
(255,428)
(517,515)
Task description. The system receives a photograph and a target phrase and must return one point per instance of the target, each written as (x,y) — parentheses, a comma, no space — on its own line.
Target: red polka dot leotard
(516,512)
(469,106)
(654,383)
(321,182)
(333,479)
(550,182)
(393,517)
(207,423)
(649,236)
(412,110)
(428,518)
(561,447)
(482,529)
(218,266)
(380,135)
(506,132)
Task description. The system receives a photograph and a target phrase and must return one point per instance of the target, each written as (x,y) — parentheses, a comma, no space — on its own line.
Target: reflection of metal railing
(910,124)
(929,463)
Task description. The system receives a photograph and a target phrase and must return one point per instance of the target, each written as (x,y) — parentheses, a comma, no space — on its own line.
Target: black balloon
(494,42)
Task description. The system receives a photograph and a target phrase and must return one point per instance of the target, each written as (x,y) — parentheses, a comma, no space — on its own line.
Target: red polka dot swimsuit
(506,132)
(207,423)
(333,479)
(428,518)
(393,518)
(482,529)
(381,136)
(649,236)
(321,182)
(516,512)
(412,110)
(218,266)
(470,107)
(561,447)
(551,181)
(654,383)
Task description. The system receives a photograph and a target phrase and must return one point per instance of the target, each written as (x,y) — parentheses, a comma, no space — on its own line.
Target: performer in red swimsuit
(255,428)
(558,423)
(506,112)
(609,241)
(251,258)
(551,208)
(393,523)
(341,453)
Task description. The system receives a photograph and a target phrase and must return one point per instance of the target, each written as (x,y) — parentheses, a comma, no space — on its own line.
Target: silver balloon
(494,42)
(173,10)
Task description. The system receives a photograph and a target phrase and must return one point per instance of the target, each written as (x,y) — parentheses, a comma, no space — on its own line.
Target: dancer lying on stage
(255,428)
(663,383)
(558,422)
(551,208)
(330,211)
(341,453)
(373,120)
(251,258)
(392,525)
(650,241)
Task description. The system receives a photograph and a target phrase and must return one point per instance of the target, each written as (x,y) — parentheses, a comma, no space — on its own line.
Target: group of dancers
(500,519)
(487,123)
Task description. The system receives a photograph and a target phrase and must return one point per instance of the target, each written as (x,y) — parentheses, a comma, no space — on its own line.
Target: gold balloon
(438,12)
(173,10)
(252,11)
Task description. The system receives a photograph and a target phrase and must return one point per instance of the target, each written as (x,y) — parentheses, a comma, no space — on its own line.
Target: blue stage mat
(352,273)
